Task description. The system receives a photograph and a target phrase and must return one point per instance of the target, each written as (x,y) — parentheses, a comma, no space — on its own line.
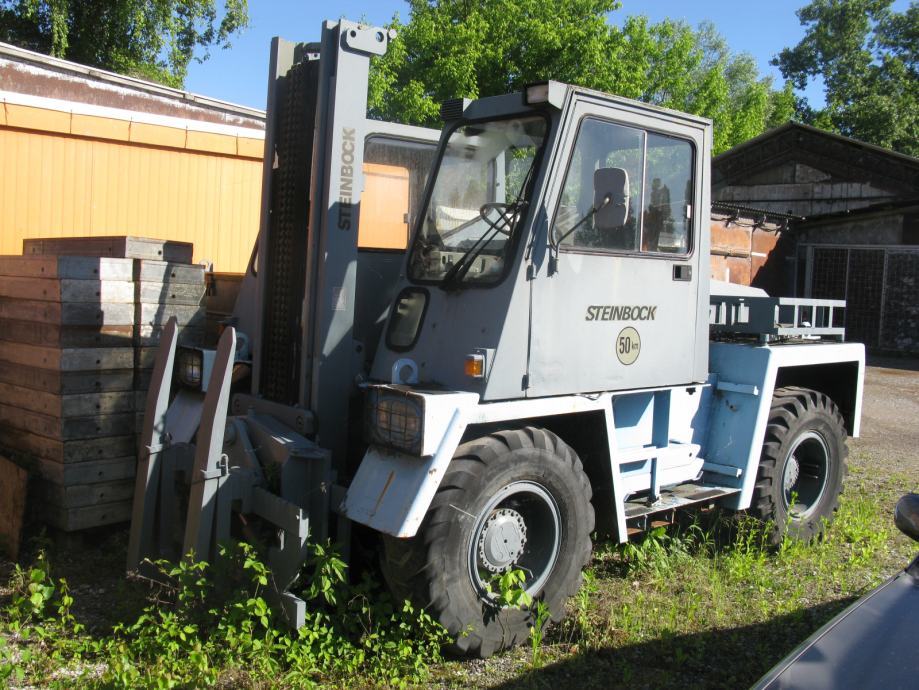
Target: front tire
(802,465)
(513,499)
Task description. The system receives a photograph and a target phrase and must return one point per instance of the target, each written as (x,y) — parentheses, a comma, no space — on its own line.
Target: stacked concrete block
(78,336)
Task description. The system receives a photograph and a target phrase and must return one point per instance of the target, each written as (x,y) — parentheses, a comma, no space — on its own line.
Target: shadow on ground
(729,658)
(93,564)
(889,362)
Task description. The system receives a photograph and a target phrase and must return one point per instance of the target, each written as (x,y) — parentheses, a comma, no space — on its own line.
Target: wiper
(459,269)
(462,265)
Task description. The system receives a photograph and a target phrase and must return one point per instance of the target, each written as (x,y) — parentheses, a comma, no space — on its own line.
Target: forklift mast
(307,247)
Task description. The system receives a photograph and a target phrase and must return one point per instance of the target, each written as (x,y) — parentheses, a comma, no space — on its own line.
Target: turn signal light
(475,366)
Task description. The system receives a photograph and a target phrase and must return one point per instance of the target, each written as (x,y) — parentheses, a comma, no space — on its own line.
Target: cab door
(620,297)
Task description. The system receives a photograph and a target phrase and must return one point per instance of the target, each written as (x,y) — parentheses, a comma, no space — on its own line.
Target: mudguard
(391,491)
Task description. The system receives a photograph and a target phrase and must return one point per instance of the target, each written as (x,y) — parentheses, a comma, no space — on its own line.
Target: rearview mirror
(611,198)
(906,516)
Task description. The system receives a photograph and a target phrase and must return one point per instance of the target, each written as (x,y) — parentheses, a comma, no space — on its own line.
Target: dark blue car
(873,643)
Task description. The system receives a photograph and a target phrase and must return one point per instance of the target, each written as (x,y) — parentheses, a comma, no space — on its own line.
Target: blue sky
(239,74)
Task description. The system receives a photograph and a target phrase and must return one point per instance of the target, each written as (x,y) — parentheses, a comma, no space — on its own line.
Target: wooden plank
(67,428)
(13,491)
(75,519)
(121,247)
(147,314)
(149,336)
(142,379)
(71,314)
(79,495)
(67,290)
(169,293)
(72,474)
(165,272)
(75,267)
(67,359)
(67,451)
(57,335)
(57,405)
(66,382)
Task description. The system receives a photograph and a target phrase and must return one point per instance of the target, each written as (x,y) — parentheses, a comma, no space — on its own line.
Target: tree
(458,48)
(152,39)
(868,58)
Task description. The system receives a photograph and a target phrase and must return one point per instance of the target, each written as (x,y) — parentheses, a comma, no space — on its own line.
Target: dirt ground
(890,416)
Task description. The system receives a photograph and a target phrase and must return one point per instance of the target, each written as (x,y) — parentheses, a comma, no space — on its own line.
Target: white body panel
(715,431)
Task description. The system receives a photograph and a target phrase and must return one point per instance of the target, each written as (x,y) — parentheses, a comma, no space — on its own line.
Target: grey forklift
(545,361)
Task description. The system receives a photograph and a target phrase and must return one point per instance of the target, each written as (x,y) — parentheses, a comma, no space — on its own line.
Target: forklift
(486,346)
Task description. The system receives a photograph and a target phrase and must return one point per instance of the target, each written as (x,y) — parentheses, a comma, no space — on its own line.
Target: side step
(675,497)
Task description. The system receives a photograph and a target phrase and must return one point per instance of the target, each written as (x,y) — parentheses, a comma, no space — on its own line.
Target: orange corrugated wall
(58,184)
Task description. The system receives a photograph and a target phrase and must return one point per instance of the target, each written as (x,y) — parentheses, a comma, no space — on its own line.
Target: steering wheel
(506,211)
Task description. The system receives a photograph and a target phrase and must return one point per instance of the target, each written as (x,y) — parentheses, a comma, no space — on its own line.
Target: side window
(667,210)
(656,194)
(395,173)
(601,145)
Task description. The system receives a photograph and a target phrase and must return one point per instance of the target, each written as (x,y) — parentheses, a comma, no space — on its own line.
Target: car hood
(872,644)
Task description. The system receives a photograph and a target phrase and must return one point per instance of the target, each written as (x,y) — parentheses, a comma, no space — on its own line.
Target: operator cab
(558,250)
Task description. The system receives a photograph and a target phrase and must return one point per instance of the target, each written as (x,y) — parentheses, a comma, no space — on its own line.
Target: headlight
(193,367)
(394,419)
(189,366)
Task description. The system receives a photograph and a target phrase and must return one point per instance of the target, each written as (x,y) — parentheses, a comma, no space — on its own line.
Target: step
(677,497)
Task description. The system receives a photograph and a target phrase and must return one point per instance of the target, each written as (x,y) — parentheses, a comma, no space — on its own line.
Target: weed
(210,621)
(509,591)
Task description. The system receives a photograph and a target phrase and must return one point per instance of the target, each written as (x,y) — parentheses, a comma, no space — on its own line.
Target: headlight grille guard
(394,417)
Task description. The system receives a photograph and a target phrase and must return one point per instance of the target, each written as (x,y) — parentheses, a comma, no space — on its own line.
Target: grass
(707,603)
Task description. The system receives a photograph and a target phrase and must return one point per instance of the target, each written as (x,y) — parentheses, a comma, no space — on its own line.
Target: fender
(746,376)
(392,490)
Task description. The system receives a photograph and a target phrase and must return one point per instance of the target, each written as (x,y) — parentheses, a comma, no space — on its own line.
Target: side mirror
(906,516)
(611,198)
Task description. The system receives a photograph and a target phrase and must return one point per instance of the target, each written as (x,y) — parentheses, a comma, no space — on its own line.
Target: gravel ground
(890,417)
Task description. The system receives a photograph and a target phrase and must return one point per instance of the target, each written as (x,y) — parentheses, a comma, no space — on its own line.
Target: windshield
(477,201)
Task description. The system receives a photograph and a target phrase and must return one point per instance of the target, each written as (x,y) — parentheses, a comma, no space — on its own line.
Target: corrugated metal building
(86,152)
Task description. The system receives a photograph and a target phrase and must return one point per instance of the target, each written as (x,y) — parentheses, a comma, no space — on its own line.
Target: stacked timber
(79,324)
(163,290)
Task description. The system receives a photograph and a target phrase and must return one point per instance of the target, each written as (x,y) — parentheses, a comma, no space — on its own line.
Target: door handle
(682,272)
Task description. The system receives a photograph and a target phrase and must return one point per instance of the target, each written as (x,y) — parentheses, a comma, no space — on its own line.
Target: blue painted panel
(735,427)
(633,416)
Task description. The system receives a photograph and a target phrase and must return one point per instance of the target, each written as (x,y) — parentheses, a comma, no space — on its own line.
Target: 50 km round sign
(628,345)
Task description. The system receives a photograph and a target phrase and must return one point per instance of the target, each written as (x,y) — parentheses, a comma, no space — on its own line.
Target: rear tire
(802,465)
(513,499)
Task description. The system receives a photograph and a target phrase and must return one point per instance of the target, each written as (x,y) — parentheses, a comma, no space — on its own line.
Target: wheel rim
(804,477)
(520,527)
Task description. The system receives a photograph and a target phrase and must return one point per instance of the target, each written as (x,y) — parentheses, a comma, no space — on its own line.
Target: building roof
(35,74)
(879,209)
(846,158)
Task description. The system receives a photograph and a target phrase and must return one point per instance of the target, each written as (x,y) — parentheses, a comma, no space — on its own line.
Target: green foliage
(508,590)
(453,48)
(209,623)
(868,58)
(151,39)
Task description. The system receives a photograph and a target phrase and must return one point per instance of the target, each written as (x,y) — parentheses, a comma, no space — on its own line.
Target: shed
(855,223)
(85,152)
